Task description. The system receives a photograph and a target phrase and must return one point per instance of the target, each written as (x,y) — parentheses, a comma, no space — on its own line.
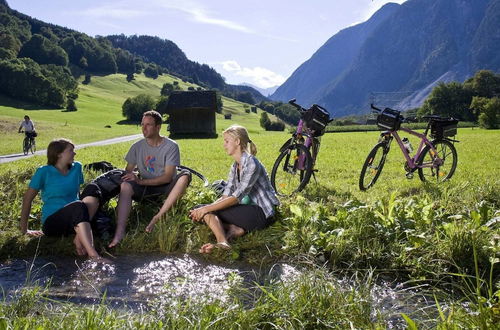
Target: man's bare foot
(80,250)
(234,231)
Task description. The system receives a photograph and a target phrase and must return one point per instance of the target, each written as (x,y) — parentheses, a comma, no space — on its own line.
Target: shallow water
(141,281)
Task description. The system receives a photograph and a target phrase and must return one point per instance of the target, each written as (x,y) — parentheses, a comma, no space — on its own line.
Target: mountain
(47,49)
(264,91)
(398,55)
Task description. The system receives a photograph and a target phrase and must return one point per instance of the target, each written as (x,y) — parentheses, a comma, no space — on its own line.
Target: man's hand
(130,176)
(153,222)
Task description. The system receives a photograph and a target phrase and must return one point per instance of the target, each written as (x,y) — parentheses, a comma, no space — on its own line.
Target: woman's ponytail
(241,133)
(252,148)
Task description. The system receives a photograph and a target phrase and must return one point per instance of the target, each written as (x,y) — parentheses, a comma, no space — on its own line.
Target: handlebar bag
(389,119)
(316,118)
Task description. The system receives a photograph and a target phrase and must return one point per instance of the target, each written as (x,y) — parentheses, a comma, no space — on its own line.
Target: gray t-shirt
(151,161)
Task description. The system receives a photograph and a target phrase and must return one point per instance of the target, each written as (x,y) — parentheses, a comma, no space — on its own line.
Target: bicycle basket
(443,127)
(389,119)
(316,119)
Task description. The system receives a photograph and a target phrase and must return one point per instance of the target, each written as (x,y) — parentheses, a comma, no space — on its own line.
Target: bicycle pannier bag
(316,118)
(389,119)
(441,128)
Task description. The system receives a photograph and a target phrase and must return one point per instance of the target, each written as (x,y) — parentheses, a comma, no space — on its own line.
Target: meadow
(445,236)
(99,105)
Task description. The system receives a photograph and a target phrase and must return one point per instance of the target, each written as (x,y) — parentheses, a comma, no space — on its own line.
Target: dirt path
(14,157)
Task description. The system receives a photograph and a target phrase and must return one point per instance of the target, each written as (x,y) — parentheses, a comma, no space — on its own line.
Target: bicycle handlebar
(301,109)
(292,102)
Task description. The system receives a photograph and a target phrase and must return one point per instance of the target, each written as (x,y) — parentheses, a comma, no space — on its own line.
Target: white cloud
(258,76)
(117,10)
(199,14)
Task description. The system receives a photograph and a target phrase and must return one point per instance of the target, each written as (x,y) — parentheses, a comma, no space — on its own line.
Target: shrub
(134,107)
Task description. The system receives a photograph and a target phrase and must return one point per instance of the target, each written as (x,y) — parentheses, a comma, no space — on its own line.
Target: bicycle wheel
(196,173)
(438,167)
(26,146)
(373,166)
(32,146)
(288,176)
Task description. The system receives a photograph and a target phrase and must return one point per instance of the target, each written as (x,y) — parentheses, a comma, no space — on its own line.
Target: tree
(245,97)
(134,107)
(484,83)
(151,71)
(44,51)
(264,120)
(167,89)
(489,111)
(161,105)
(450,99)
(130,77)
(71,105)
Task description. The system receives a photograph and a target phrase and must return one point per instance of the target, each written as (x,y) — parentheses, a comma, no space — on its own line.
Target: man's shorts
(141,192)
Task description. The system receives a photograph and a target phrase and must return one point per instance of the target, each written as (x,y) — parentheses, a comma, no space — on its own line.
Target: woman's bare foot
(118,237)
(234,231)
(80,250)
(208,247)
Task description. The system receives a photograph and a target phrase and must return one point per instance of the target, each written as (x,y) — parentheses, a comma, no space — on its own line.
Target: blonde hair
(241,133)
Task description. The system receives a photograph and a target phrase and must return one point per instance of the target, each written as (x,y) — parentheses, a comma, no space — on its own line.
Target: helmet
(218,186)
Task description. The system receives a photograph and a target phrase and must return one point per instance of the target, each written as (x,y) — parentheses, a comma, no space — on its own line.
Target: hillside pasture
(99,105)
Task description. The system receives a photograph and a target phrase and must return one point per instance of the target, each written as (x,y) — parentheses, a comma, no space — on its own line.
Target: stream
(139,281)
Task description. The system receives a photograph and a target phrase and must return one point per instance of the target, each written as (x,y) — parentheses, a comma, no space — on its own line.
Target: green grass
(99,104)
(436,234)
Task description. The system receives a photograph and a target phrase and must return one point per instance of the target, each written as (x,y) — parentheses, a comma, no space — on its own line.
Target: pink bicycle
(434,160)
(294,166)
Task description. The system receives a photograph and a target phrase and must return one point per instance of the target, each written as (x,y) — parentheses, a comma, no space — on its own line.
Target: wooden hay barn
(192,113)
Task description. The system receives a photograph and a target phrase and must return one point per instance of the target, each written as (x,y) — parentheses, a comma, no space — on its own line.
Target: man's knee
(126,189)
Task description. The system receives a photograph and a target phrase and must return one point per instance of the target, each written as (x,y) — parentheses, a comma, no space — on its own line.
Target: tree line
(477,99)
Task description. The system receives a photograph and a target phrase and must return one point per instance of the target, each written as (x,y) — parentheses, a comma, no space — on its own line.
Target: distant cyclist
(28,127)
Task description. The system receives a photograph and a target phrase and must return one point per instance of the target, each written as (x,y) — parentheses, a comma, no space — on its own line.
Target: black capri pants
(248,217)
(64,220)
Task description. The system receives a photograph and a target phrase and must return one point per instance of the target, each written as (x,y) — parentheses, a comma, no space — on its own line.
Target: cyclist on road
(28,127)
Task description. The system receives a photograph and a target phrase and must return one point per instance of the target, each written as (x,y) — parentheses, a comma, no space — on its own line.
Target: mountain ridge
(406,50)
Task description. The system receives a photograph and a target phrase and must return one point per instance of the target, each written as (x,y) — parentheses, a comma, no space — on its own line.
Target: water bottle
(407,145)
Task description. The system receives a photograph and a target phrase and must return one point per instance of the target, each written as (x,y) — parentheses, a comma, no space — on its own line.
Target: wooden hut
(192,113)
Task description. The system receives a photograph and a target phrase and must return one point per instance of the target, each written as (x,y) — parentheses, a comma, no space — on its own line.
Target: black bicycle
(294,166)
(29,144)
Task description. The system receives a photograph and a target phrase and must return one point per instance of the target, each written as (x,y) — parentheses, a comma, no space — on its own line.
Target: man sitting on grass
(157,158)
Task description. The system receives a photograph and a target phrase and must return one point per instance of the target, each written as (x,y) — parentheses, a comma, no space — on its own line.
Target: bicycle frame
(412,161)
(299,132)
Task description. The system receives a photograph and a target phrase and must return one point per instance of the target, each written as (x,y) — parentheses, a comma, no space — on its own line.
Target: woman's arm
(28,197)
(222,203)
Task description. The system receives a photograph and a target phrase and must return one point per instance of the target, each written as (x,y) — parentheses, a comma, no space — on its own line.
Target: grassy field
(440,235)
(443,235)
(99,105)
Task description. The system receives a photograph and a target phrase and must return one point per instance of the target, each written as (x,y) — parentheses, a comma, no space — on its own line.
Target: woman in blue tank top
(63,214)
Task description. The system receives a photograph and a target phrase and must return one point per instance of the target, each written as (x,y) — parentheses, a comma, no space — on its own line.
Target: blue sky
(257,42)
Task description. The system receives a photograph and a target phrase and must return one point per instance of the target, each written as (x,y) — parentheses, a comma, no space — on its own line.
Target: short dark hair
(156,116)
(26,117)
(55,148)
